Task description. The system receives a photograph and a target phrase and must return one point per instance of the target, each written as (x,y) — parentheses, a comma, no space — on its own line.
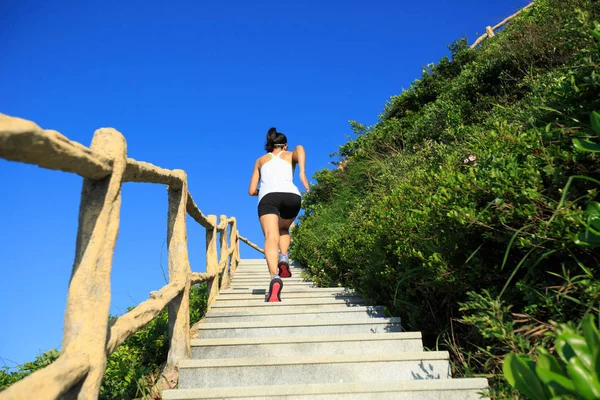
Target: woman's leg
(270,226)
(284,234)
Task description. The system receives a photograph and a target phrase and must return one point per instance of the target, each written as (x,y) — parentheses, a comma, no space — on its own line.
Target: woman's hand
(304,181)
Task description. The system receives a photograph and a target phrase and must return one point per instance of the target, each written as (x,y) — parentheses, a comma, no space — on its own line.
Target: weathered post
(224,257)
(234,244)
(179,270)
(212,263)
(88,299)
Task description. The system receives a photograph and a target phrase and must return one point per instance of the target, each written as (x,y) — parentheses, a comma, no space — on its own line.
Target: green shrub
(454,205)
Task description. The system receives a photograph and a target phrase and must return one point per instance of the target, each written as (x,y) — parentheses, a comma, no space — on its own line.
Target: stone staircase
(318,343)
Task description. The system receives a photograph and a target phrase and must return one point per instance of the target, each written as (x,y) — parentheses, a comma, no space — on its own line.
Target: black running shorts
(286,205)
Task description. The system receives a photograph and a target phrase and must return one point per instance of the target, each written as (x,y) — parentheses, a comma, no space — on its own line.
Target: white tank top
(276,175)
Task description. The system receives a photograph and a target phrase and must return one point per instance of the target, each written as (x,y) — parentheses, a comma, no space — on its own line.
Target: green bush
(452,211)
(574,374)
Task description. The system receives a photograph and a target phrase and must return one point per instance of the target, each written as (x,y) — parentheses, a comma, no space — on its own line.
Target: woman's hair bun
(274,138)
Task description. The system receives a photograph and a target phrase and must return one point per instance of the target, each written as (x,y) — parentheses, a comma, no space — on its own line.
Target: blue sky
(192,85)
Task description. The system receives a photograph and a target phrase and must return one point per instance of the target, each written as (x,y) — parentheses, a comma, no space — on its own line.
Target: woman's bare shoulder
(260,161)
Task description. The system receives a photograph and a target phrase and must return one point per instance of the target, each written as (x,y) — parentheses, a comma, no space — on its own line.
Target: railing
(489,30)
(88,337)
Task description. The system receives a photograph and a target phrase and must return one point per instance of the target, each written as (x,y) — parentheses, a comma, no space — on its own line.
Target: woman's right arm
(299,157)
(253,189)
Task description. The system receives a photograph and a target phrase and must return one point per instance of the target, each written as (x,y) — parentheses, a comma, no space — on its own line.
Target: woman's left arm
(253,189)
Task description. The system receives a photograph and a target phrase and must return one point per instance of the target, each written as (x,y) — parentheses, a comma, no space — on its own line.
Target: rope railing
(489,30)
(88,336)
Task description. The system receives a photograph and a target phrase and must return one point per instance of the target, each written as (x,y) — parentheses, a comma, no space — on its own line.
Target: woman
(278,203)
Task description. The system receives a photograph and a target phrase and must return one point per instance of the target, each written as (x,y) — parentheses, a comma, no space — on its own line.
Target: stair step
(300,328)
(430,389)
(263,275)
(265,285)
(265,282)
(267,279)
(286,308)
(322,345)
(228,372)
(226,292)
(287,302)
(299,310)
(289,295)
(354,313)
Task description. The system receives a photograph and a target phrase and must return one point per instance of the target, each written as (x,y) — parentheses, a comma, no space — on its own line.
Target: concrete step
(263,291)
(289,306)
(263,267)
(265,284)
(430,389)
(306,294)
(291,302)
(267,279)
(231,372)
(297,328)
(296,310)
(358,313)
(287,309)
(263,275)
(320,345)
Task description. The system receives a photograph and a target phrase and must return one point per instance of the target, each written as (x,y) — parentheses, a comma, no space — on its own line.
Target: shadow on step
(427,373)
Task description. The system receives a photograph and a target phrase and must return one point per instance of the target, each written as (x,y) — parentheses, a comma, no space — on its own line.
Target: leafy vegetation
(462,208)
(574,374)
(133,369)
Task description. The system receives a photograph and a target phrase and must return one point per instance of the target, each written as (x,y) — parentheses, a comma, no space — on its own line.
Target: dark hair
(274,138)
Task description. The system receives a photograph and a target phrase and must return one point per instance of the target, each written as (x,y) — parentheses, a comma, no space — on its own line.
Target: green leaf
(596,363)
(587,387)
(590,332)
(582,351)
(587,239)
(595,120)
(519,372)
(558,384)
(582,144)
(547,361)
(576,347)
(593,215)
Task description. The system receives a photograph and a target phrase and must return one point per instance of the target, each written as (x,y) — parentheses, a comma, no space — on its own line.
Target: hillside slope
(447,210)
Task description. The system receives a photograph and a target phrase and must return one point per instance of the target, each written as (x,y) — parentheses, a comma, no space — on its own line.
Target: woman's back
(276,174)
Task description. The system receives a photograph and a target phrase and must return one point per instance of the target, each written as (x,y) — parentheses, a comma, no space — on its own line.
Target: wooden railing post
(88,299)
(224,257)
(88,338)
(179,271)
(212,262)
(237,239)
(234,244)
